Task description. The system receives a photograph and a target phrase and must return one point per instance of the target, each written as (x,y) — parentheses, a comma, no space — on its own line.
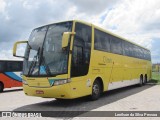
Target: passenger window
(14,66)
(116,45)
(2,66)
(102,41)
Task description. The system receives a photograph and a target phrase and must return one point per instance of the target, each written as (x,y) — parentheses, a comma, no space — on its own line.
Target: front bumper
(60,91)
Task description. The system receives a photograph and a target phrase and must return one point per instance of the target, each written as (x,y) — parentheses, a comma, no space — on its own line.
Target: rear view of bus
(62,61)
(10,74)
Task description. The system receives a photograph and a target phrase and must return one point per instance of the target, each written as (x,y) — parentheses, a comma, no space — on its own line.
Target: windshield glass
(44,55)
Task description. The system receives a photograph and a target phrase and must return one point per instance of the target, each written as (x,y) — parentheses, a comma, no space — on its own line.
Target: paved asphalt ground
(133,98)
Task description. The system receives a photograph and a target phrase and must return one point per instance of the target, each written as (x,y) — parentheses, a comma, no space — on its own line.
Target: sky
(136,20)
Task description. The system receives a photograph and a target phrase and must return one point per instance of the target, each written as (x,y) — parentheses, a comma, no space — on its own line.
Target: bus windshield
(44,55)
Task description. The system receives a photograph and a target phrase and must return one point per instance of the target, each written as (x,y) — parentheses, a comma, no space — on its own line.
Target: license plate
(39,92)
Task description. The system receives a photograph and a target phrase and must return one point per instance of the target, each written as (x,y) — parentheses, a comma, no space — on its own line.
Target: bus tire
(1,87)
(141,81)
(145,79)
(96,90)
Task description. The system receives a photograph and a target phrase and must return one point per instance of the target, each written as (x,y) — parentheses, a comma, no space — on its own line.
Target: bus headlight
(60,82)
(24,82)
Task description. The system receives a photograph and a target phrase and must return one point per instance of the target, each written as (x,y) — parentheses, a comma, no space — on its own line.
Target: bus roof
(102,29)
(106,31)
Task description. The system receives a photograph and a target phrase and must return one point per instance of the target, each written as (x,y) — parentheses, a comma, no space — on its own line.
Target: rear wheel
(1,87)
(145,79)
(141,81)
(96,90)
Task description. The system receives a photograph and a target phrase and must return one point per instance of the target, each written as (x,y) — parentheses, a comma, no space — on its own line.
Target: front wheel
(96,90)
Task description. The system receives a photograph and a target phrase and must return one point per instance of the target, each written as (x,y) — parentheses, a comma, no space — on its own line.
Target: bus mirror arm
(70,51)
(15,48)
(65,38)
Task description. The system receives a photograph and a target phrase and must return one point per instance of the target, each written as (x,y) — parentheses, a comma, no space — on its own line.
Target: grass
(156,77)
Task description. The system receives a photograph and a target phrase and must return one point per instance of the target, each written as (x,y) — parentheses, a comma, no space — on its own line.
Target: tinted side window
(81,50)
(14,66)
(102,41)
(126,48)
(141,53)
(148,55)
(136,51)
(116,45)
(2,66)
(130,49)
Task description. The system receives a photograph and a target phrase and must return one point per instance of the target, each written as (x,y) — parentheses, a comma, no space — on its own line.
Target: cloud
(92,7)
(2,6)
(136,20)
(21,16)
(5,55)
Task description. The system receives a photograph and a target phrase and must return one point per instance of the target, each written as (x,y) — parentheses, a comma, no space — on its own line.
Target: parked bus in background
(72,59)
(10,71)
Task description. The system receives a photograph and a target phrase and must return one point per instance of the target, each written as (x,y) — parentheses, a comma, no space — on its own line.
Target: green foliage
(156,76)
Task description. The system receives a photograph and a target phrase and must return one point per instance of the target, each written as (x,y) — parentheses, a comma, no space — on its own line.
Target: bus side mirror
(15,48)
(65,38)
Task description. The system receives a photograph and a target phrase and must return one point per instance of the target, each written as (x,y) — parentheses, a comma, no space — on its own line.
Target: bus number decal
(107,60)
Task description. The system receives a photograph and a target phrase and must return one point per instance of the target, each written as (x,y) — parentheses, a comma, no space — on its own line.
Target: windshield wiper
(33,63)
(29,46)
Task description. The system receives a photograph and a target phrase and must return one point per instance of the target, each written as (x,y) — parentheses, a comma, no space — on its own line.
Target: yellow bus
(72,59)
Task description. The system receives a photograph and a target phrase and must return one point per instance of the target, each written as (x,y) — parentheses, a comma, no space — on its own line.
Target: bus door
(77,58)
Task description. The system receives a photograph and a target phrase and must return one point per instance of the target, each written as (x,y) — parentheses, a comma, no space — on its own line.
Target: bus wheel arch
(1,86)
(97,88)
(101,83)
